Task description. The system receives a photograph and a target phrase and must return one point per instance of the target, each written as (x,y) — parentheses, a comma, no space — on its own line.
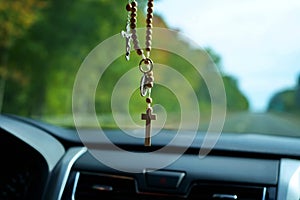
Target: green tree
(50,53)
(15,19)
(236,100)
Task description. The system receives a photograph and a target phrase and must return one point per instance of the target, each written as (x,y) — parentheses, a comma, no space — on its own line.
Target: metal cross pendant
(148,116)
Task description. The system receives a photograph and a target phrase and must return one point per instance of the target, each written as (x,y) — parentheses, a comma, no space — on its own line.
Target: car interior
(77,67)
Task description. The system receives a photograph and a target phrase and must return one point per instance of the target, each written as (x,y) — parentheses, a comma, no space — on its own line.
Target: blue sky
(259,40)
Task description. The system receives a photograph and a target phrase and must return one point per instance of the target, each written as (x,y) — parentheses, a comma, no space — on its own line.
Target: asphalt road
(265,123)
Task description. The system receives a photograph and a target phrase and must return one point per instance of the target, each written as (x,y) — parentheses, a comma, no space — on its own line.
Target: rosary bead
(133,14)
(133,20)
(133,9)
(128,7)
(134,4)
(133,36)
(148,37)
(150,4)
(149,31)
(149,15)
(139,51)
(135,43)
(150,109)
(146,62)
(148,43)
(150,10)
(149,100)
(133,31)
(148,20)
(136,46)
(132,26)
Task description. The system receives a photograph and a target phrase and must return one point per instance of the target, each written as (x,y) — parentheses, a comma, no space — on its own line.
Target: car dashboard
(42,161)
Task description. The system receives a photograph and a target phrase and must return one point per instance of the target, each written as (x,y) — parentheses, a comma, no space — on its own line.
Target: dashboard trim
(271,162)
(289,180)
(42,142)
(61,173)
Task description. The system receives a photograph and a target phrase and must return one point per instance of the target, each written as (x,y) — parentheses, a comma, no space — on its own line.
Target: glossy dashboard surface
(50,162)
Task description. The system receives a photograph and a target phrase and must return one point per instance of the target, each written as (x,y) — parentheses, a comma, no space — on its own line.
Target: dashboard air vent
(89,186)
(227,192)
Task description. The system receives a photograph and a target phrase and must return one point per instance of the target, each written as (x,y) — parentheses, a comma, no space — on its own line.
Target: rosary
(146,64)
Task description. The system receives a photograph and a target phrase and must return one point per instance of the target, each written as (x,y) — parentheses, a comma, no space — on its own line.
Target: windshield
(230,66)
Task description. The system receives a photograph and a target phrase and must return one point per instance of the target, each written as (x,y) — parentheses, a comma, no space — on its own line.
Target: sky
(258,40)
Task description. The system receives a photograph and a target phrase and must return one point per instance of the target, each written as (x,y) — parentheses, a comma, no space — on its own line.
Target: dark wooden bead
(150,10)
(139,51)
(128,7)
(148,49)
(133,20)
(132,26)
(134,4)
(149,26)
(150,4)
(149,100)
(150,15)
(133,9)
(133,14)
(149,21)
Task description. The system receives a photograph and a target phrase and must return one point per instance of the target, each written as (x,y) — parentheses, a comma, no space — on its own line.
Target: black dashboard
(42,161)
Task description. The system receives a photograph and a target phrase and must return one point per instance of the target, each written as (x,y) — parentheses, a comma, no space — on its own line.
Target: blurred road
(265,123)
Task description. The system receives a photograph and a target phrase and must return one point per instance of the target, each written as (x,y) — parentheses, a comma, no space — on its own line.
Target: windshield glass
(231,63)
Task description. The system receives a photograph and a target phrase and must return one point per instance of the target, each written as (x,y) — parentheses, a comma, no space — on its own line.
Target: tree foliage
(286,101)
(15,19)
(49,54)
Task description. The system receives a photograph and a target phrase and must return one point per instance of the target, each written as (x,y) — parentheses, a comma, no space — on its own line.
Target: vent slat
(94,186)
(90,186)
(215,192)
